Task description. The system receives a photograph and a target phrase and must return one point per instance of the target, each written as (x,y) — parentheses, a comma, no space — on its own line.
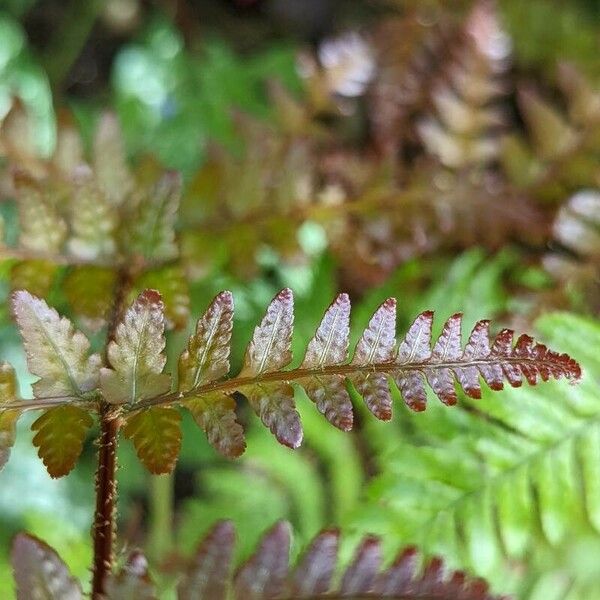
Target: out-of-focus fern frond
(266,575)
(94,220)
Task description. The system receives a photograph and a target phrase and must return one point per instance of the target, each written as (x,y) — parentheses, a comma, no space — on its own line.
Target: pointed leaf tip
(40,572)
(314,573)
(364,568)
(210,570)
(329,347)
(136,354)
(206,357)
(270,348)
(56,352)
(265,573)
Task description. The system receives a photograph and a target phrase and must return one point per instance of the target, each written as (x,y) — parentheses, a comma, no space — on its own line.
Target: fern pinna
(265,575)
(72,383)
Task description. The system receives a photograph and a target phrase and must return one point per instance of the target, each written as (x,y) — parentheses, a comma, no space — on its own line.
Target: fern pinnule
(329,346)
(40,572)
(136,354)
(210,568)
(377,344)
(56,352)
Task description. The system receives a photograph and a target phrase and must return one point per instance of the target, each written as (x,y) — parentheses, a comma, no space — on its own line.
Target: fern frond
(228,197)
(325,371)
(97,220)
(464,129)
(266,575)
(135,383)
(500,482)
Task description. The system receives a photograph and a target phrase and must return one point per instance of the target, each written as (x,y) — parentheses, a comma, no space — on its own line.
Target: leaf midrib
(58,353)
(212,331)
(137,353)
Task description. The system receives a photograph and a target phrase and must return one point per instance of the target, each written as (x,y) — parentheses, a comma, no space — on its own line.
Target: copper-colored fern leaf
(210,569)
(267,573)
(326,373)
(136,384)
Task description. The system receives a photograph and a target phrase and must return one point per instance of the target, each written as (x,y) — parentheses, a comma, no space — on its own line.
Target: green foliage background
(390,479)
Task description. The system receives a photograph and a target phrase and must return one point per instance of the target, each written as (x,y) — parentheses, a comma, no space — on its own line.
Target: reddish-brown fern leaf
(325,372)
(267,574)
(210,569)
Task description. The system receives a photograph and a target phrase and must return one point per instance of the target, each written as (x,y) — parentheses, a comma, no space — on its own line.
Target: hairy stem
(106,495)
(104,528)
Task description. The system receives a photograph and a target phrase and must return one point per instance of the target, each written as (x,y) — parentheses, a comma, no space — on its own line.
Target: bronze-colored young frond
(326,370)
(266,575)
(134,384)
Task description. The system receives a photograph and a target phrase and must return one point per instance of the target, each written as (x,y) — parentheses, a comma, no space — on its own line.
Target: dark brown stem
(106,497)
(104,528)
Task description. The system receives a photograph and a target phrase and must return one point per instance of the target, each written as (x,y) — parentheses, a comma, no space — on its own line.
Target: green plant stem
(160,536)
